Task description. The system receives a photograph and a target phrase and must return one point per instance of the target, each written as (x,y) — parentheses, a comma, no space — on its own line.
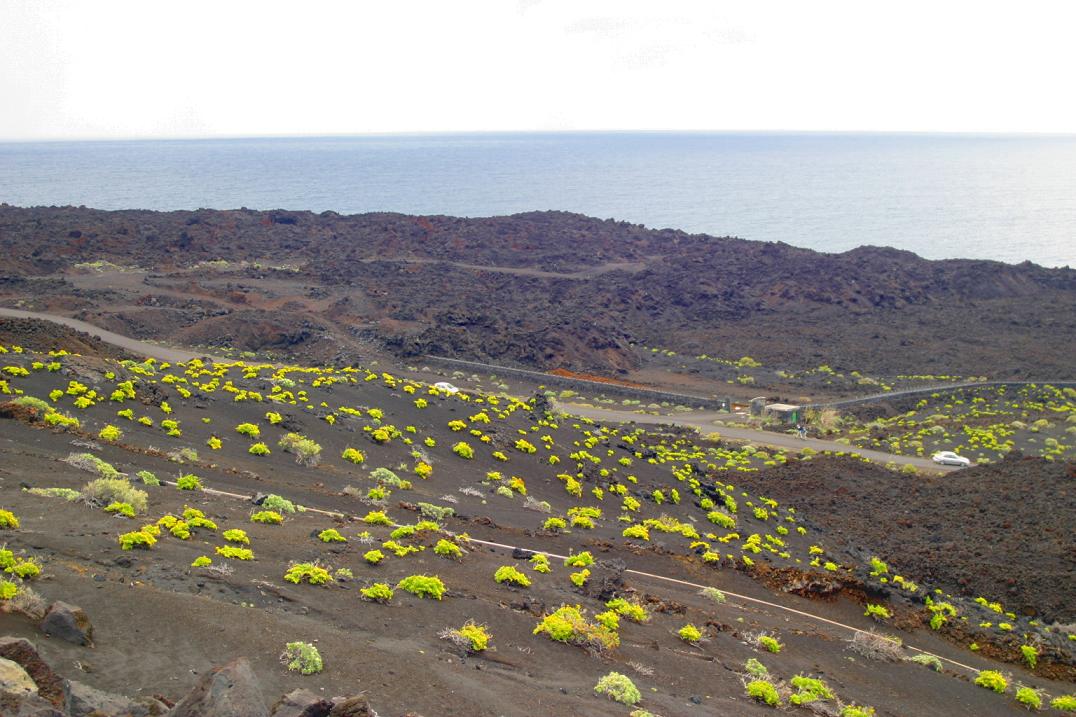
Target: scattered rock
(23,652)
(69,623)
(606,579)
(84,701)
(228,691)
(301,703)
(355,706)
(14,680)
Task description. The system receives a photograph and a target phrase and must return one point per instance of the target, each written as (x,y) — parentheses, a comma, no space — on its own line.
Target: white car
(446,387)
(948,458)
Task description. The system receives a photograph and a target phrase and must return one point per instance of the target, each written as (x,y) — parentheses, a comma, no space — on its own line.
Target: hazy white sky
(161,68)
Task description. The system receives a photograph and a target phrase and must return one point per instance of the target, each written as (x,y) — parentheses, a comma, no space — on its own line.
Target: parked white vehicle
(948,458)
(446,387)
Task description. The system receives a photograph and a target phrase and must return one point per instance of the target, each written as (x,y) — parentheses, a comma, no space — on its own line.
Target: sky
(83,69)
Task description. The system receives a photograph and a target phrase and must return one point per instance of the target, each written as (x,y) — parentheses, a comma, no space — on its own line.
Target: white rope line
(640,573)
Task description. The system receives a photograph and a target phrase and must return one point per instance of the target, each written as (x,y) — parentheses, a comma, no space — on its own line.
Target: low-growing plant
(579,560)
(202,561)
(540,563)
(259,449)
(809,689)
(569,625)
(1030,654)
(634,611)
(554,525)
(992,680)
(353,455)
(230,551)
(148,478)
(280,504)
(435,512)
(769,643)
(875,646)
(620,688)
(138,539)
(373,557)
(857,711)
(927,661)
(189,482)
(269,517)
(512,576)
(310,572)
(878,612)
(755,668)
(423,586)
(331,535)
(105,491)
(713,594)
(124,509)
(1029,698)
(306,451)
(471,636)
(67,494)
(236,535)
(8,521)
(248,429)
(110,433)
(579,578)
(378,592)
(1064,703)
(689,633)
(448,549)
(302,657)
(463,450)
(763,691)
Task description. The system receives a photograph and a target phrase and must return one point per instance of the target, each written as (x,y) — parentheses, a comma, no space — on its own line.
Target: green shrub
(138,539)
(373,557)
(236,535)
(992,680)
(110,434)
(1029,698)
(202,561)
(633,611)
(279,504)
(448,549)
(713,594)
(463,450)
(353,455)
(554,525)
(878,612)
(689,633)
(269,517)
(763,691)
(508,574)
(1031,655)
(249,430)
(769,643)
(189,482)
(65,493)
(856,711)
(148,478)
(310,572)
(259,449)
(302,657)
(620,688)
(639,532)
(755,668)
(378,592)
(569,625)
(435,512)
(927,661)
(472,637)
(8,521)
(809,689)
(106,491)
(423,586)
(306,451)
(331,535)
(579,560)
(1064,703)
(124,509)
(721,519)
(24,569)
(230,551)
(540,563)
(8,589)
(93,464)
(377,517)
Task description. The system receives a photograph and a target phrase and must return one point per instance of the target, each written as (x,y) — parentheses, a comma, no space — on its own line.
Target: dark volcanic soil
(545,290)
(1008,525)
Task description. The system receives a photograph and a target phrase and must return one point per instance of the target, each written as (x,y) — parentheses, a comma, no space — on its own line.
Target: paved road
(140,348)
(704,421)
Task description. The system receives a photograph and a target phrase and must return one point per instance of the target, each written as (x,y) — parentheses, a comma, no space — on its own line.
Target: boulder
(84,701)
(301,703)
(49,685)
(69,623)
(14,680)
(228,691)
(27,706)
(355,706)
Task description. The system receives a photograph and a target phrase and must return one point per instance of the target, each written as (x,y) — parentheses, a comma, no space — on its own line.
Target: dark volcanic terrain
(543,290)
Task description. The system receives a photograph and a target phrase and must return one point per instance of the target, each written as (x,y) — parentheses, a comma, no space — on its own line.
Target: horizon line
(522,132)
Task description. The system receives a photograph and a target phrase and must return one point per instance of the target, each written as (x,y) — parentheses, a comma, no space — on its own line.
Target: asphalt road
(704,421)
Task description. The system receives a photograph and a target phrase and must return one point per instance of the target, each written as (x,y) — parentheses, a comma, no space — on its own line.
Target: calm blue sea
(1009,198)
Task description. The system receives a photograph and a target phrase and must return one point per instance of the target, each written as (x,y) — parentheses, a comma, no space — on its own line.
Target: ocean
(1000,197)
